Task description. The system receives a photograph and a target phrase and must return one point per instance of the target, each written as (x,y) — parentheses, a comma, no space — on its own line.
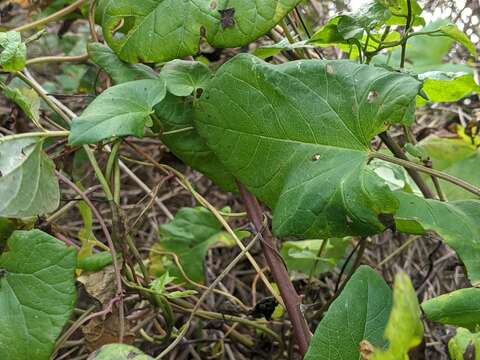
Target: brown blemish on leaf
(372,95)
(213,5)
(329,68)
(316,157)
(366,349)
(227,17)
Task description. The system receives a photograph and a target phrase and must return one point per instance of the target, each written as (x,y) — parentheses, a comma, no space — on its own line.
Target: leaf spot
(372,95)
(213,5)
(227,17)
(330,69)
(316,157)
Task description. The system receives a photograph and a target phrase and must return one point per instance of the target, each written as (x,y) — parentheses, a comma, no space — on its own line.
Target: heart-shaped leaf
(121,110)
(37,294)
(298,136)
(162,30)
(359,313)
(28,185)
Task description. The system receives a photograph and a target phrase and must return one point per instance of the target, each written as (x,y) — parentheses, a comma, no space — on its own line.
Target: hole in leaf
(316,157)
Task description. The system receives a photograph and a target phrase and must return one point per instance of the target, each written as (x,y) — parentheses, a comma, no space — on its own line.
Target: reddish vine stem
(279,272)
(398,152)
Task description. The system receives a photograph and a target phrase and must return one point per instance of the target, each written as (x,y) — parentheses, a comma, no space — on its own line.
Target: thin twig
(55,16)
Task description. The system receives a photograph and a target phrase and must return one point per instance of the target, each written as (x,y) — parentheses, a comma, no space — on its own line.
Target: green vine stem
(57,59)
(55,16)
(439,174)
(45,135)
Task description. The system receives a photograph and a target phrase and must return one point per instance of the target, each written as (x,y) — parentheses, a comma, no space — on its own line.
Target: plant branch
(57,59)
(408,25)
(439,174)
(399,153)
(55,16)
(46,134)
(289,295)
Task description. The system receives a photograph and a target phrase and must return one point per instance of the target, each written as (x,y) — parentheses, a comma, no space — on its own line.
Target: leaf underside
(28,185)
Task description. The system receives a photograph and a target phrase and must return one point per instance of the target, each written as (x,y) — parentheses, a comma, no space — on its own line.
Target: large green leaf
(404,330)
(189,235)
(456,222)
(162,30)
(359,313)
(459,308)
(28,185)
(121,110)
(179,134)
(464,345)
(37,294)
(13,52)
(119,352)
(456,157)
(298,136)
(119,71)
